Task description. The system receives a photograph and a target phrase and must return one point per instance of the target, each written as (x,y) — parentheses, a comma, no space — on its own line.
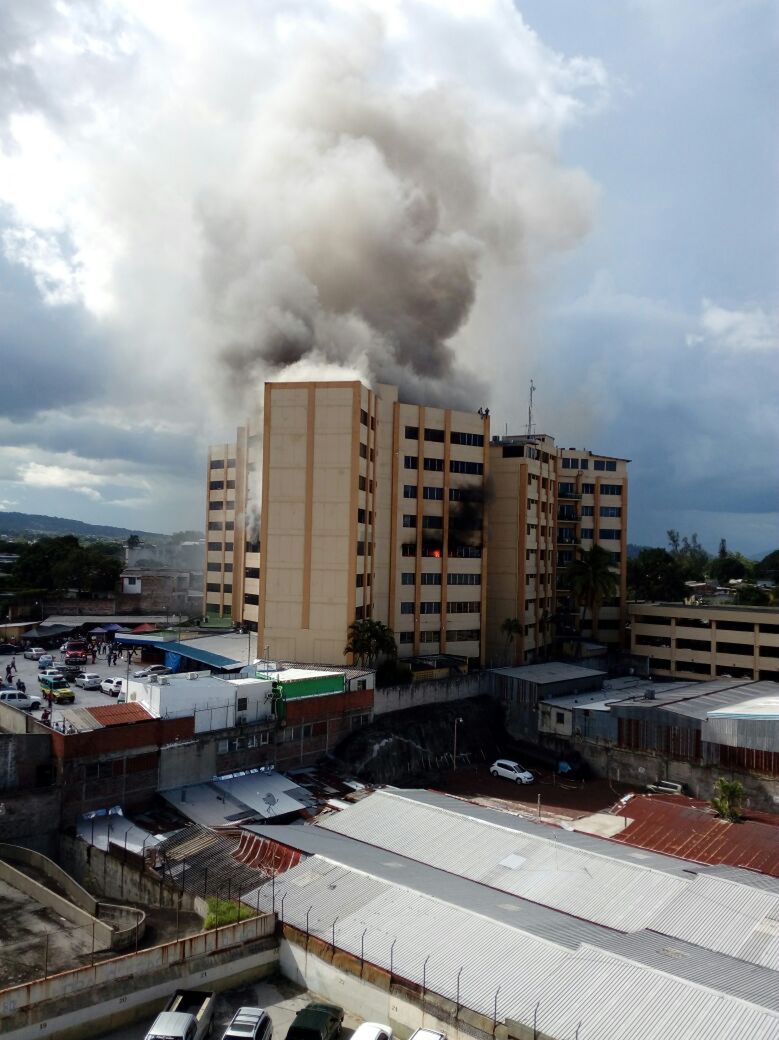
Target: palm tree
(728,796)
(592,580)
(510,628)
(368,640)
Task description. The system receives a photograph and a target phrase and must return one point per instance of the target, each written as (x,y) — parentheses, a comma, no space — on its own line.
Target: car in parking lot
(372,1031)
(88,680)
(113,686)
(249,1023)
(19,700)
(56,690)
(10,648)
(317,1022)
(33,653)
(45,661)
(511,770)
(152,669)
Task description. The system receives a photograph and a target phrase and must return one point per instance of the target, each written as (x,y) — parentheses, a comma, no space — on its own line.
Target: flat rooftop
(550,672)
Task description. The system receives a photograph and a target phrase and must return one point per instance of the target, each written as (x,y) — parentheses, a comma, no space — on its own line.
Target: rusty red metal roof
(119,714)
(689,829)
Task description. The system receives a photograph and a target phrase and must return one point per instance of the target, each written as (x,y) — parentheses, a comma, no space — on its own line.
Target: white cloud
(749,330)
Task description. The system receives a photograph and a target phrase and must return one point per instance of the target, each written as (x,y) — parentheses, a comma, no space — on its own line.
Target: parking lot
(28,672)
(280,998)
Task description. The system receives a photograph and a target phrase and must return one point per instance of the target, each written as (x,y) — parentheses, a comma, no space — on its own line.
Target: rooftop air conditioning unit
(242,720)
(192,675)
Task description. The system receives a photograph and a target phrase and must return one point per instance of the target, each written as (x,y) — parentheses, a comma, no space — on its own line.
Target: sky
(456,196)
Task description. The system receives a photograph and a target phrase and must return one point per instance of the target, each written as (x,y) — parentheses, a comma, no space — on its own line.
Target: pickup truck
(188,1015)
(317,1022)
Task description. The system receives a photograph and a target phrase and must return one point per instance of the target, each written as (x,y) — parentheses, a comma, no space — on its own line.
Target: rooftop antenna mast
(530,409)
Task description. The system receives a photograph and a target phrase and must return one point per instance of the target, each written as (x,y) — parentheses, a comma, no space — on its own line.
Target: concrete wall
(117,878)
(16,854)
(31,818)
(63,907)
(351,983)
(25,757)
(191,762)
(90,1000)
(396,698)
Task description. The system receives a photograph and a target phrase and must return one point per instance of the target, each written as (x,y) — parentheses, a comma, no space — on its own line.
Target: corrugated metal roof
(551,672)
(689,831)
(119,714)
(548,866)
(504,969)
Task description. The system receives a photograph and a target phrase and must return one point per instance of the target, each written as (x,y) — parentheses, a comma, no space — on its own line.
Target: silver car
(511,770)
(88,680)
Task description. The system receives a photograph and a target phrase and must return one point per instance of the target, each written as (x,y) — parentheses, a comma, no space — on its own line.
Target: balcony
(566,539)
(568,515)
(568,493)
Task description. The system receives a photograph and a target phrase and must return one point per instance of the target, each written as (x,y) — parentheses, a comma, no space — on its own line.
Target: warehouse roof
(250,795)
(551,672)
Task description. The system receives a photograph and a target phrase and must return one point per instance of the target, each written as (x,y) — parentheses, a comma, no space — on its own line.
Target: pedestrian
(13,664)
(94,653)
(8,674)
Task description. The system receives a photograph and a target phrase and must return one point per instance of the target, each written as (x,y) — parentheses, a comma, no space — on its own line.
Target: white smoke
(252,190)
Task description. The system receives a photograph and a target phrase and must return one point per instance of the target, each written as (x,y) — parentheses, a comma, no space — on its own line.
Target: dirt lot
(558,798)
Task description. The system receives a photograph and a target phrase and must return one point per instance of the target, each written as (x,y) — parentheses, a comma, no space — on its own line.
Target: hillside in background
(14,525)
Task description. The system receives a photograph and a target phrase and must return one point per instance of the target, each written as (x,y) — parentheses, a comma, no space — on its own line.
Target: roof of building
(101,828)
(551,672)
(119,714)
(686,828)
(206,863)
(76,620)
(191,649)
(504,956)
(240,797)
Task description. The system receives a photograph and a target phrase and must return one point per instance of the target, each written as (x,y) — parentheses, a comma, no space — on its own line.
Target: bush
(223,911)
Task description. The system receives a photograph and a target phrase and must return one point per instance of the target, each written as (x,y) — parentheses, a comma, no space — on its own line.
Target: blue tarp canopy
(217,661)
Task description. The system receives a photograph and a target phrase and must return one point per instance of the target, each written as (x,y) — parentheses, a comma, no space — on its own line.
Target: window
(434,435)
(132,581)
(231,463)
(466,552)
(432,636)
(361,548)
(475,440)
(607,464)
(228,568)
(362,483)
(587,532)
(465,635)
(359,581)
(611,510)
(406,608)
(463,579)
(252,599)
(566,489)
(214,546)
(411,462)
(359,613)
(215,525)
(252,572)
(584,463)
(409,549)
(433,494)
(231,485)
(217,464)
(409,520)
(429,608)
(230,525)
(458,466)
(406,637)
(559,717)
(212,587)
(464,607)
(242,704)
(458,494)
(434,465)
(616,559)
(411,433)
(588,511)
(610,536)
(363,417)
(588,489)
(599,464)
(230,505)
(214,567)
(407,578)
(429,579)
(360,516)
(363,450)
(216,485)
(215,505)
(409,491)
(611,489)
(432,522)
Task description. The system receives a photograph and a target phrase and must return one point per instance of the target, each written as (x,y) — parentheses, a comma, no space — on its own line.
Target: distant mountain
(634,550)
(15,524)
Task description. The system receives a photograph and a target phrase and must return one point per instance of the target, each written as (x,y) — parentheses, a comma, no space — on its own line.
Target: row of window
(363,580)
(456,552)
(217,525)
(228,567)
(474,440)
(219,485)
(364,453)
(214,506)
(409,578)
(217,546)
(457,607)
(364,419)
(215,587)
(609,465)
(465,635)
(437,465)
(220,464)
(435,494)
(604,536)
(364,516)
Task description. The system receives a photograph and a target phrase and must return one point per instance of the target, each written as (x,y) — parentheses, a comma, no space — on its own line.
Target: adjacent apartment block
(349,503)
(688,642)
(546,503)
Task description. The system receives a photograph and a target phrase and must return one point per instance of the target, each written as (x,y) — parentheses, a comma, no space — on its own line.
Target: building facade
(371,507)
(696,642)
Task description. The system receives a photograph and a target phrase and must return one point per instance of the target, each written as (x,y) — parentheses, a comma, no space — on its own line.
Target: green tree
(593,580)
(63,563)
(656,575)
(690,554)
(728,798)
(749,595)
(510,627)
(133,541)
(768,567)
(369,640)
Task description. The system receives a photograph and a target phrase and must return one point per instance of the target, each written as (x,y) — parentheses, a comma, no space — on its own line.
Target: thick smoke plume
(252,190)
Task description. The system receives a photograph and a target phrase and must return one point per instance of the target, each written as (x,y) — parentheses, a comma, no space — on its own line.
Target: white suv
(511,771)
(20,700)
(250,1023)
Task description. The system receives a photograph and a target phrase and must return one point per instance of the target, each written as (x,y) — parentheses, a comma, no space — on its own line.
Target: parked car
(427,1034)
(152,669)
(76,657)
(188,1015)
(45,661)
(50,673)
(113,686)
(19,700)
(10,648)
(32,653)
(55,689)
(510,770)
(249,1023)
(317,1022)
(88,681)
(372,1031)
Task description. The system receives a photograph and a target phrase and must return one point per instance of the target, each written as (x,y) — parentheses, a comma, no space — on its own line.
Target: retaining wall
(436,691)
(93,999)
